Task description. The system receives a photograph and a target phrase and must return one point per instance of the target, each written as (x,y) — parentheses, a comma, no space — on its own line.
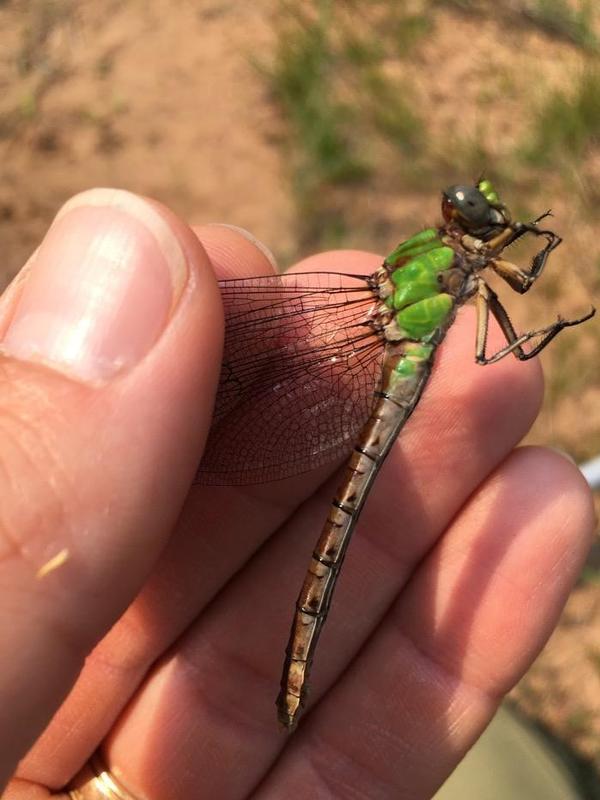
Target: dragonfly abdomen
(404,379)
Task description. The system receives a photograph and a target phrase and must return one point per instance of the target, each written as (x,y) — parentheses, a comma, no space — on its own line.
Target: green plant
(568,122)
(563,19)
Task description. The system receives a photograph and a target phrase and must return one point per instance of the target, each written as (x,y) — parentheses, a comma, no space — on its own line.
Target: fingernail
(251,238)
(101,288)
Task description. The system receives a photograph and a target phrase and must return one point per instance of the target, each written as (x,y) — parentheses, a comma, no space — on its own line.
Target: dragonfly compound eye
(467,206)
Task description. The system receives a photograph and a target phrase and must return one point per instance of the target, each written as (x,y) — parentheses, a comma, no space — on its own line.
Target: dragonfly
(318,366)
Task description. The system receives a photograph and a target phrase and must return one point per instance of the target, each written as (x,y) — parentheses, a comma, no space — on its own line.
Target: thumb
(109,356)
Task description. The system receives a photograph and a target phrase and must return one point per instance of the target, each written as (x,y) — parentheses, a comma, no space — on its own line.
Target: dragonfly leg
(519,279)
(487,300)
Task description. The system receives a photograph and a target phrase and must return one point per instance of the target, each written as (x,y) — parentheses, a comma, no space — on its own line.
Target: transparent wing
(300,366)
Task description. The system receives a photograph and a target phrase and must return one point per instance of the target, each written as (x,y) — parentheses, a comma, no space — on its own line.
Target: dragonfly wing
(300,365)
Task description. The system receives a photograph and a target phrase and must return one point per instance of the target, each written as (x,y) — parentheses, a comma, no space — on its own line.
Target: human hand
(181,603)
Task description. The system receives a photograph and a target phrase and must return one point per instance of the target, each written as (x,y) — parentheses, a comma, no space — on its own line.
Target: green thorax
(418,297)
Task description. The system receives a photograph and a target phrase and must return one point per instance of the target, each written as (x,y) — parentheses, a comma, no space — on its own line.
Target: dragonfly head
(477,209)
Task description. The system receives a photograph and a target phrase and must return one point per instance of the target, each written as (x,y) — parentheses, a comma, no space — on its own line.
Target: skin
(160,640)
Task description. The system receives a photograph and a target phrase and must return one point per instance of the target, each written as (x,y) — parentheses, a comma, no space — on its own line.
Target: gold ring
(94,782)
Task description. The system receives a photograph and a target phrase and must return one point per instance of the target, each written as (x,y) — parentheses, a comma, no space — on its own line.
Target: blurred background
(335,124)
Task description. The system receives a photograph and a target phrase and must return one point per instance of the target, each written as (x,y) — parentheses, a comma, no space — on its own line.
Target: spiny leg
(487,300)
(522,280)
